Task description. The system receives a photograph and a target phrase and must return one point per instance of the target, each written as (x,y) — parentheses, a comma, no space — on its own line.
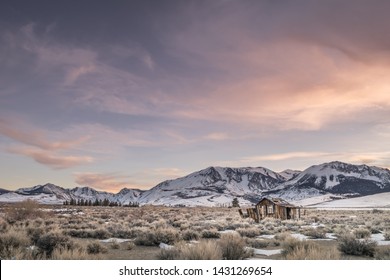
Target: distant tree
(235,202)
(106,202)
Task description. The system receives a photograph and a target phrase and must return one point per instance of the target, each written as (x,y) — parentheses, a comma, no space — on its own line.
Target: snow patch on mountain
(216,186)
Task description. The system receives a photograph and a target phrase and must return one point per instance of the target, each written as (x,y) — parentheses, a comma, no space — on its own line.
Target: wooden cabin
(273,208)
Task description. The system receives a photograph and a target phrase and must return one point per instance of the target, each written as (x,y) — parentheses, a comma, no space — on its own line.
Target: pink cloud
(25,133)
(51,159)
(108,181)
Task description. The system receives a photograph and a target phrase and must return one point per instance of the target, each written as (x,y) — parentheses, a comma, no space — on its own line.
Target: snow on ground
(380,239)
(111,240)
(41,198)
(380,200)
(165,246)
(266,252)
(314,200)
(300,236)
(267,236)
(231,231)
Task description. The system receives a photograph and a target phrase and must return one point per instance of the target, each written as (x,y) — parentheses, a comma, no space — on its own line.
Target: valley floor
(32,231)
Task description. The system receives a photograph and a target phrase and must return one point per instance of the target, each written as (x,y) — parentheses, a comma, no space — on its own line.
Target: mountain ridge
(215,186)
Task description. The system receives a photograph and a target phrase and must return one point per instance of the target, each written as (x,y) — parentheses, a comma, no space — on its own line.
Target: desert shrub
(155,237)
(12,243)
(282,236)
(294,249)
(211,233)
(93,234)
(49,241)
(3,226)
(70,254)
(35,233)
(20,211)
(190,234)
(104,216)
(291,244)
(117,230)
(138,223)
(382,253)
(204,250)
(184,225)
(350,245)
(249,232)
(386,235)
(95,247)
(375,230)
(233,247)
(362,233)
(114,244)
(168,254)
(130,246)
(315,233)
(147,239)
(167,235)
(262,243)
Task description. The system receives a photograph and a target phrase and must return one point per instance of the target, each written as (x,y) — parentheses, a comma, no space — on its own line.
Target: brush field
(32,231)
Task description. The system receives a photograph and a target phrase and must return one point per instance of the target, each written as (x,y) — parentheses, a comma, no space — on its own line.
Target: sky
(114,94)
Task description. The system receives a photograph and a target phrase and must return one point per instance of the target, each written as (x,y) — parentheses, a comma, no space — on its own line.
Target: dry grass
(386,235)
(95,247)
(294,249)
(73,254)
(315,233)
(249,232)
(382,253)
(55,230)
(13,243)
(21,211)
(204,250)
(350,245)
(233,247)
(362,233)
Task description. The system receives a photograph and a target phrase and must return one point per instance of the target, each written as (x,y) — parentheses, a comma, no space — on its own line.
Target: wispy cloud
(75,73)
(381,159)
(283,156)
(168,173)
(282,94)
(42,145)
(51,159)
(33,136)
(111,182)
(217,136)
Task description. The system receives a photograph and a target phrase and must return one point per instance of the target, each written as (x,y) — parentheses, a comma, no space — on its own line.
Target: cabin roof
(277,201)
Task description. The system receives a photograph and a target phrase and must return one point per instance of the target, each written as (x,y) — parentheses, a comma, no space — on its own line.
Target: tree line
(99,202)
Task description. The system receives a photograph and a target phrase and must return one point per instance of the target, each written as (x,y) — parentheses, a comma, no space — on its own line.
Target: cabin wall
(267,208)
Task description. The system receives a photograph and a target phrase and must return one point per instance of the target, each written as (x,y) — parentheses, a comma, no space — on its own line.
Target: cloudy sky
(113,94)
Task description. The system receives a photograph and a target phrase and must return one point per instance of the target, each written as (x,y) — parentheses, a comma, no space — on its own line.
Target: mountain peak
(216,185)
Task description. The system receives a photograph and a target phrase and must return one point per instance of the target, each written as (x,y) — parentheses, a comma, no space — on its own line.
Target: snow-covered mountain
(215,186)
(337,178)
(3,191)
(288,174)
(52,194)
